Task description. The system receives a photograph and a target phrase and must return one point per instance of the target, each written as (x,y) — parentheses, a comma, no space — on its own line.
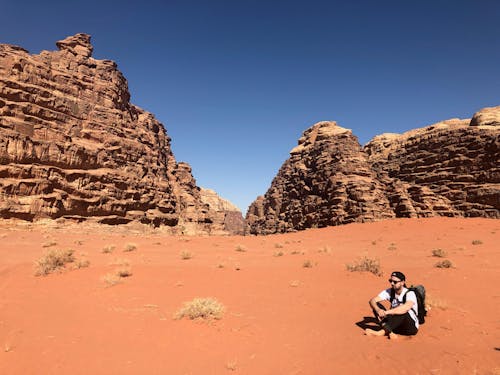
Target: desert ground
(291,304)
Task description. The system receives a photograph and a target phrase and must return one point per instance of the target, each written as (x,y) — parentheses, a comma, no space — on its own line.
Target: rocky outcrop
(73,146)
(447,169)
(451,168)
(326,181)
(226,212)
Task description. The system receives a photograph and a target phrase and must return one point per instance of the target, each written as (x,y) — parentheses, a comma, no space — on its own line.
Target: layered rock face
(326,181)
(451,168)
(447,169)
(225,211)
(73,146)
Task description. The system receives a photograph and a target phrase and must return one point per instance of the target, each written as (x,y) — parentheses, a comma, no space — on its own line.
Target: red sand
(72,323)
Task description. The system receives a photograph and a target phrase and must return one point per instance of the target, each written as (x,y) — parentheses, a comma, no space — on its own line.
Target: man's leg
(399,324)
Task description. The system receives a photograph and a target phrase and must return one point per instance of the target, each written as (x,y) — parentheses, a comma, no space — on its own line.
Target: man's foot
(372,332)
(393,336)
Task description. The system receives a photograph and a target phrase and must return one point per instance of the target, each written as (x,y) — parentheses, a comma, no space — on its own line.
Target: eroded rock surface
(73,146)
(326,181)
(451,168)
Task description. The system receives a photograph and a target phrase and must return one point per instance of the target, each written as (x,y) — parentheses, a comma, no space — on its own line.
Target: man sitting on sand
(401,318)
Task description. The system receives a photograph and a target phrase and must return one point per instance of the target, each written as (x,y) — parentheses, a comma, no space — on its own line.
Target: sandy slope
(281,317)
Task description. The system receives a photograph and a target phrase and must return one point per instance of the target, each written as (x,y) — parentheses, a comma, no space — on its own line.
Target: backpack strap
(404,299)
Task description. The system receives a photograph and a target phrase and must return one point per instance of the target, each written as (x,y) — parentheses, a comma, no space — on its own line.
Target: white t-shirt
(386,296)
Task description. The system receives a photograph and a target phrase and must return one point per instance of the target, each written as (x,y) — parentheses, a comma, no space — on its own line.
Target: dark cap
(400,275)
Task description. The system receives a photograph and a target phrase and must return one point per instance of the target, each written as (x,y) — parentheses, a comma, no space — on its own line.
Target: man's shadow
(369,322)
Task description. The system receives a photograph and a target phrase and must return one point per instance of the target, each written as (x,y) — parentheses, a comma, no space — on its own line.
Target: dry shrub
(123,272)
(49,244)
(325,249)
(278,245)
(108,249)
(185,255)
(130,247)
(241,248)
(444,264)
(52,261)
(201,308)
(307,264)
(365,264)
(440,253)
(81,263)
(477,242)
(111,279)
(278,253)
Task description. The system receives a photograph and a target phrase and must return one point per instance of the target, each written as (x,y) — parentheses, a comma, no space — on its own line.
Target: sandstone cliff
(225,211)
(326,181)
(450,169)
(73,146)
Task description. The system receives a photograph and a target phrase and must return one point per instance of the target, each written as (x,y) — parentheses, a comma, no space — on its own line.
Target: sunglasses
(394,281)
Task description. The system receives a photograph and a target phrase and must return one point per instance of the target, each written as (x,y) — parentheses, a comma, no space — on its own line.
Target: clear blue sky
(237,82)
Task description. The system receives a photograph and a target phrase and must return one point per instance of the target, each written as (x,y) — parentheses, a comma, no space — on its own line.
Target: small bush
(241,248)
(366,264)
(444,264)
(108,249)
(49,244)
(294,283)
(278,245)
(278,253)
(477,242)
(81,263)
(307,264)
(295,252)
(440,253)
(130,247)
(111,279)
(185,255)
(52,261)
(123,272)
(325,249)
(201,308)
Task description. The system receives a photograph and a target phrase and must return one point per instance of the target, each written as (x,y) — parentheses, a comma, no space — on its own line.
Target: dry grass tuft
(365,264)
(278,245)
(477,242)
(201,308)
(307,264)
(294,283)
(130,247)
(111,279)
(278,253)
(81,263)
(241,248)
(440,253)
(185,255)
(325,249)
(108,249)
(52,261)
(49,244)
(123,271)
(444,264)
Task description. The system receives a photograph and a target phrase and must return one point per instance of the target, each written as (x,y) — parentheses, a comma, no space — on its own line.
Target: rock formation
(451,168)
(73,146)
(226,212)
(326,181)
